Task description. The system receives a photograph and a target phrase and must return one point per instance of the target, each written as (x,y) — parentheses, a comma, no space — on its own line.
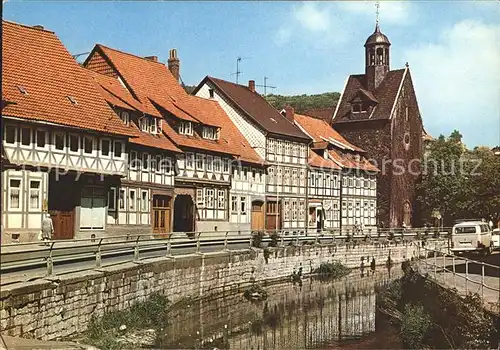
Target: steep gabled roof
(44,83)
(384,97)
(256,108)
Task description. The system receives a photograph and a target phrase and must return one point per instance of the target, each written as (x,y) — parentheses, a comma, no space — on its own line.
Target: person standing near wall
(47,229)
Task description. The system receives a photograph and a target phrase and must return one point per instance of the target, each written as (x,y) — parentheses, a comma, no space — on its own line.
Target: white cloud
(283,36)
(457,80)
(313,17)
(393,12)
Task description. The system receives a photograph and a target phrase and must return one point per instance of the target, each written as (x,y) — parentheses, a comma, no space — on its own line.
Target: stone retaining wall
(61,306)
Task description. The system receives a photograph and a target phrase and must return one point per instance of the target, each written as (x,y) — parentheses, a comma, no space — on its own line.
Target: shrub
(274,240)
(332,270)
(257,237)
(414,325)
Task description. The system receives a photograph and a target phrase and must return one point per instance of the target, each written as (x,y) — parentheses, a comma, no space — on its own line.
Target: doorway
(183,213)
(161,213)
(61,205)
(257,219)
(273,215)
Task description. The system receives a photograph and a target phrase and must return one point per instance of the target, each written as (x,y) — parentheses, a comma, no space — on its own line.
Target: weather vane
(377,5)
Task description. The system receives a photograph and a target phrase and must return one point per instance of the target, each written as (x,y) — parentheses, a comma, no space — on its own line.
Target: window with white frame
(312,179)
(199,161)
(25,136)
(280,176)
(217,164)
(88,144)
(35,202)
(302,179)
(302,210)
(131,199)
(189,160)
(294,210)
(144,200)
(210,133)
(125,117)
(261,173)
(221,199)
(271,146)
(200,198)
(10,134)
(166,165)
(225,165)
(245,174)
(210,162)
(59,141)
(121,199)
(112,199)
(287,177)
(234,204)
(144,123)
(279,147)
(145,161)
(41,138)
(14,193)
(209,197)
(272,178)
(158,164)
(286,211)
(243,205)
(118,149)
(153,164)
(133,160)
(74,143)
(185,127)
(105,147)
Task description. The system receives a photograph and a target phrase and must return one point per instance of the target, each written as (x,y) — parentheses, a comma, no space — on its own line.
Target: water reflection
(310,314)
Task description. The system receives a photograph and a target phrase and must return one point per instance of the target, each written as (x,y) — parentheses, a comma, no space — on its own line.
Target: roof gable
(35,61)
(255,107)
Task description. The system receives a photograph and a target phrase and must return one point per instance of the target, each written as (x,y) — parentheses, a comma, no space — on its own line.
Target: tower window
(380,56)
(211,93)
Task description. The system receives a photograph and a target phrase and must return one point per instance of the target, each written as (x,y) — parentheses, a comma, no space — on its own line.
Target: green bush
(414,325)
(332,270)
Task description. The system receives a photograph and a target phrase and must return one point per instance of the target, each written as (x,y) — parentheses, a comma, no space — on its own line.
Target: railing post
(466,276)
(482,279)
(169,245)
(198,243)
(136,248)
(225,241)
(50,263)
(297,238)
(98,254)
(454,277)
(435,264)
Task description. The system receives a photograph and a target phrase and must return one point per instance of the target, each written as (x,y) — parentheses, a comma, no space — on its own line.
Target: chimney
(251,85)
(289,113)
(38,27)
(174,63)
(152,58)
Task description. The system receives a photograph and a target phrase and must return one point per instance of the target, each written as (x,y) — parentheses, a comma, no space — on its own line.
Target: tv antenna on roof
(377,5)
(265,86)
(238,72)
(80,54)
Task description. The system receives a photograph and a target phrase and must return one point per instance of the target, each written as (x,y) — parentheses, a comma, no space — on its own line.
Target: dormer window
(144,124)
(359,107)
(125,117)
(210,133)
(185,128)
(156,126)
(211,93)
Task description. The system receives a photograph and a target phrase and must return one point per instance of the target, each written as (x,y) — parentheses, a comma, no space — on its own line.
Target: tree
(302,103)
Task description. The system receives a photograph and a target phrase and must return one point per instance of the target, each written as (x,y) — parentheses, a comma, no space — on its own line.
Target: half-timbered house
(342,183)
(282,145)
(142,201)
(197,126)
(63,145)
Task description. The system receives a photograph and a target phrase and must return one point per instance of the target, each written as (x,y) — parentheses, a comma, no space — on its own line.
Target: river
(312,314)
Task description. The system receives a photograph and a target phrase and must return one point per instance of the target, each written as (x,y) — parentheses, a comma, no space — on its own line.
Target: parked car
(495,238)
(471,236)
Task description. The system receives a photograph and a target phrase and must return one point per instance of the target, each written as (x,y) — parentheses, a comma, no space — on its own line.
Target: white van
(469,236)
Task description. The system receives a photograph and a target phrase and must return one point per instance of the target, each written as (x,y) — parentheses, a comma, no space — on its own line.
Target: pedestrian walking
(47,229)
(490,224)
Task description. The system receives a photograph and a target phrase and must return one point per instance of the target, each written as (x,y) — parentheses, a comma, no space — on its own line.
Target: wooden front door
(161,214)
(257,219)
(273,216)
(64,224)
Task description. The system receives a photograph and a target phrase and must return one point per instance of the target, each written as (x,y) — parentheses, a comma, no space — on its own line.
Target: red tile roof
(320,130)
(157,91)
(35,60)
(256,108)
(349,161)
(321,113)
(319,162)
(385,94)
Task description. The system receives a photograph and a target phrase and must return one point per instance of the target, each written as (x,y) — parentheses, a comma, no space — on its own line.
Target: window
(144,124)
(125,117)
(406,113)
(131,199)
(243,205)
(200,200)
(302,210)
(221,199)
(272,179)
(10,134)
(118,149)
(271,146)
(25,136)
(245,174)
(185,128)
(144,201)
(234,204)
(154,164)
(88,144)
(105,146)
(302,177)
(133,159)
(210,161)
(145,161)
(74,141)
(166,165)
(121,200)
(35,195)
(112,199)
(158,164)
(217,166)
(211,93)
(14,194)
(286,213)
(189,160)
(153,127)
(209,198)
(199,161)
(279,148)
(41,138)
(287,177)
(225,165)
(210,133)
(312,180)
(280,177)
(294,210)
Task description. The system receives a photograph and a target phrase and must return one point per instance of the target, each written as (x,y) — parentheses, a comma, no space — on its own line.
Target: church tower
(376,58)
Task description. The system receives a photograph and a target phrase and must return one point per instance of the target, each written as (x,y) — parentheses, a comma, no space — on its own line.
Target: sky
(452,47)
